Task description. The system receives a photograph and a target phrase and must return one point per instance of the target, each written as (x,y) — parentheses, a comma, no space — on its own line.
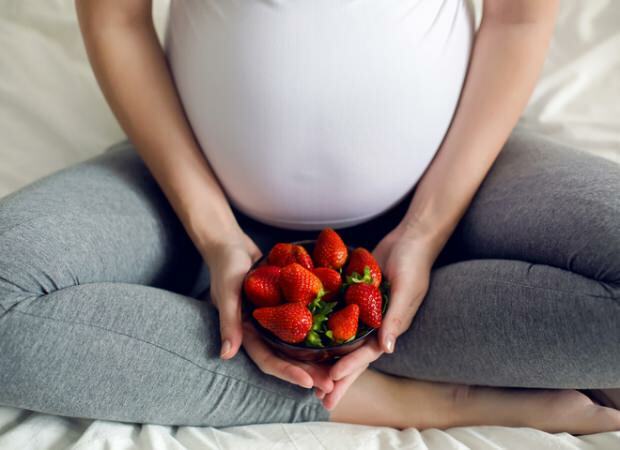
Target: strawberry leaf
(320,310)
(323,310)
(316,301)
(313,339)
(357,278)
(315,305)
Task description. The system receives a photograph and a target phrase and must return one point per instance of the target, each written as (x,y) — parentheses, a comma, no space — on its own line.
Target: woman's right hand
(228,262)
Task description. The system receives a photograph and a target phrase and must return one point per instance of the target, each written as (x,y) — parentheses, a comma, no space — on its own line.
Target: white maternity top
(316,113)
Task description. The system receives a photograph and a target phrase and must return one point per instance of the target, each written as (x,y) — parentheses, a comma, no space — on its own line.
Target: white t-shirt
(316,113)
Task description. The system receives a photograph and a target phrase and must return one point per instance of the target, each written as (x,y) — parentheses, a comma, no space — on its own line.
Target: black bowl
(300,351)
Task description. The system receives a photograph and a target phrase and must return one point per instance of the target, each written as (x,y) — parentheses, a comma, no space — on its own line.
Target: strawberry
(300,285)
(331,279)
(281,254)
(284,253)
(369,300)
(303,257)
(291,322)
(329,250)
(261,286)
(343,323)
(355,271)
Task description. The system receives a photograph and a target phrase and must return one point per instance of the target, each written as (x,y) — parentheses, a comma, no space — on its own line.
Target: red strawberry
(291,322)
(303,257)
(360,258)
(299,284)
(261,286)
(284,253)
(329,250)
(343,323)
(281,254)
(369,300)
(331,280)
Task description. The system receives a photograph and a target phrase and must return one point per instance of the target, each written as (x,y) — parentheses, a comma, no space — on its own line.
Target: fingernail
(226,346)
(389,343)
(307,386)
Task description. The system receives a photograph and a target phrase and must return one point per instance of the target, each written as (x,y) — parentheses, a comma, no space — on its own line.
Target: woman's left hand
(406,262)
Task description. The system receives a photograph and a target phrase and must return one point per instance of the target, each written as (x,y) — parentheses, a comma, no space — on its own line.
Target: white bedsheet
(52,114)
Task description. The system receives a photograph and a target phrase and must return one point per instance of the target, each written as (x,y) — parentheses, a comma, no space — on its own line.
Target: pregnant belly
(317,113)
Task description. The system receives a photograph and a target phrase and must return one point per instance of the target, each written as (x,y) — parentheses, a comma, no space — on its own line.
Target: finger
(404,302)
(229,307)
(271,364)
(319,393)
(279,368)
(361,357)
(340,388)
(320,375)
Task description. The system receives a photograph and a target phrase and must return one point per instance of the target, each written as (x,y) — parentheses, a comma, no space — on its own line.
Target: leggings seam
(511,283)
(4,233)
(24,223)
(161,348)
(45,216)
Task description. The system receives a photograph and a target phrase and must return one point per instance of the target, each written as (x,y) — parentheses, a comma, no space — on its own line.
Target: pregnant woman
(265,121)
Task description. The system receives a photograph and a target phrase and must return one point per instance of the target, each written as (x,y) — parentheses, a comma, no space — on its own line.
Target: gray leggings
(99,315)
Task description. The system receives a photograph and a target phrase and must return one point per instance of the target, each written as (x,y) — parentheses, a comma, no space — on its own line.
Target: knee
(591,230)
(32,260)
(594,231)
(577,197)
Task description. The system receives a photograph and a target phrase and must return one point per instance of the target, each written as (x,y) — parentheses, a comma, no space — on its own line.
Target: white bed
(52,114)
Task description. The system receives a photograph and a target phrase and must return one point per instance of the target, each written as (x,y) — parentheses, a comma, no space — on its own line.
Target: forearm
(507,56)
(131,69)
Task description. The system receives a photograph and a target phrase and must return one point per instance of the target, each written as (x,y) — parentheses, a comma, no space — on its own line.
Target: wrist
(426,237)
(210,228)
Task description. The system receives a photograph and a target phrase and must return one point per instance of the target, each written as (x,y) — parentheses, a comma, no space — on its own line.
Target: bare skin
(379,399)
(605,397)
(131,69)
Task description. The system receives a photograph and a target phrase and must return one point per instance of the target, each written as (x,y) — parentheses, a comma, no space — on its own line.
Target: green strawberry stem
(313,339)
(320,310)
(316,302)
(319,318)
(357,278)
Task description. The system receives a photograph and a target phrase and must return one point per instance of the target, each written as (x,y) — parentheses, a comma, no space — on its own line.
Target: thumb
(401,309)
(231,330)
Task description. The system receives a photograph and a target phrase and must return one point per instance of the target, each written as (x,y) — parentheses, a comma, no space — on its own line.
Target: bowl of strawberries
(315,300)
